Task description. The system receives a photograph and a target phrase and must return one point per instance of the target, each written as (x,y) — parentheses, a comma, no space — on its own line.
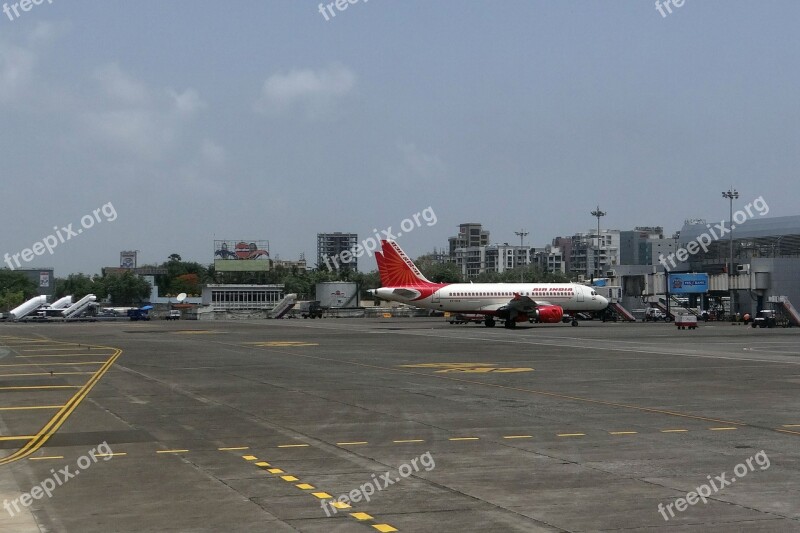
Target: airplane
(511,302)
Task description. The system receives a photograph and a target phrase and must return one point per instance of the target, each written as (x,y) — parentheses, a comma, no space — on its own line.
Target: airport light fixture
(731,194)
(521,234)
(597,214)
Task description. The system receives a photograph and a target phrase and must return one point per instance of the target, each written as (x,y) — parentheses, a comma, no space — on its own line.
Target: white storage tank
(337,294)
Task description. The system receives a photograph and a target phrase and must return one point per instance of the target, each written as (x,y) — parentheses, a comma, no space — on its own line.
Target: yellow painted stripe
(19,437)
(384,528)
(787,431)
(93,354)
(56,364)
(674,431)
(721,429)
(790,426)
(31,407)
(623,432)
(322,495)
(305,486)
(249,457)
(571,435)
(275,471)
(44,374)
(518,437)
(171,451)
(52,349)
(289,478)
(32,387)
(408,440)
(361,516)
(464,438)
(351,443)
(294,445)
(115,454)
(341,505)
(43,458)
(263,463)
(234,449)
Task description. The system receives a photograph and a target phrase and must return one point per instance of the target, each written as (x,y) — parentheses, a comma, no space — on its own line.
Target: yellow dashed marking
(30,387)
(116,454)
(19,437)
(45,374)
(263,463)
(623,432)
(790,426)
(305,486)
(518,437)
(464,438)
(571,435)
(234,449)
(275,471)
(722,429)
(249,457)
(289,478)
(361,516)
(322,495)
(171,451)
(357,443)
(282,344)
(674,431)
(46,457)
(294,445)
(384,528)
(58,364)
(341,505)
(31,407)
(409,440)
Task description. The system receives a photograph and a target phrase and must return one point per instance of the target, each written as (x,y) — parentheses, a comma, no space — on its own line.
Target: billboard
(127,259)
(688,283)
(241,255)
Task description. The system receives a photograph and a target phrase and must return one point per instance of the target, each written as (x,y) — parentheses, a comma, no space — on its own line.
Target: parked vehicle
(311,309)
(654,314)
(173,315)
(765,319)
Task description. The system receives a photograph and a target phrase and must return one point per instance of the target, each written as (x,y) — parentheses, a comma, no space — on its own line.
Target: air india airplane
(511,302)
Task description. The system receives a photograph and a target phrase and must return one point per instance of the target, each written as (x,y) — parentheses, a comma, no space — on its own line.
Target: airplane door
(436,297)
(579,294)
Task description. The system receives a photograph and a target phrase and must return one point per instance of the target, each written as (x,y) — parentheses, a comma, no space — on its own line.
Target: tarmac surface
(259,425)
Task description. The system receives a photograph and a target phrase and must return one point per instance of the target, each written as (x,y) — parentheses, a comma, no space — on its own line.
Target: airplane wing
(520,304)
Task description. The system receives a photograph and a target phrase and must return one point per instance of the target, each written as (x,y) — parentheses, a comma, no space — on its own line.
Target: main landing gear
(489,322)
(574,322)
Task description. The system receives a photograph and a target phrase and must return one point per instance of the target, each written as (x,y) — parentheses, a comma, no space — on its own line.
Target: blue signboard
(688,283)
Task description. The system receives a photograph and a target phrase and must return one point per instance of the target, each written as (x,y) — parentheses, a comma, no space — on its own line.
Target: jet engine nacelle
(549,314)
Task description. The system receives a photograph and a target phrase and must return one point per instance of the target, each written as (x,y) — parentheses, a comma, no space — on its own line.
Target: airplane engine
(549,314)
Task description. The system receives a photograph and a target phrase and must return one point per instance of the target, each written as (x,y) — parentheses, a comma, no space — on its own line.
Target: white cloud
(16,70)
(421,164)
(119,86)
(212,152)
(188,102)
(311,90)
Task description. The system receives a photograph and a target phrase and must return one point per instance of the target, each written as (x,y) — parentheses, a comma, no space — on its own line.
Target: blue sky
(262,120)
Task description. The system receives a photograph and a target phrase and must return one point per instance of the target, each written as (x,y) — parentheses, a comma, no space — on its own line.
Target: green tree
(79,285)
(15,288)
(126,288)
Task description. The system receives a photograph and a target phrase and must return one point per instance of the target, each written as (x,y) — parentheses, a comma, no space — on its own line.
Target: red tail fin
(396,269)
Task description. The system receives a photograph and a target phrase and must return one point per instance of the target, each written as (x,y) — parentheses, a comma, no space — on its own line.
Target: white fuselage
(488,297)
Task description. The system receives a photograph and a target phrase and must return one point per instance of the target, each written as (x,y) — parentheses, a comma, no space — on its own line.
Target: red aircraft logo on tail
(397,269)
